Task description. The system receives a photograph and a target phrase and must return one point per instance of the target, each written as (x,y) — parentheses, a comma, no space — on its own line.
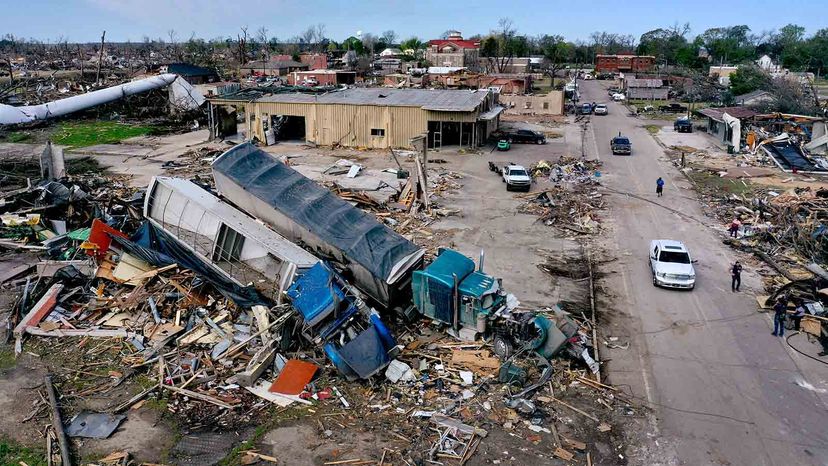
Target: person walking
(659,187)
(735,277)
(734,228)
(780,311)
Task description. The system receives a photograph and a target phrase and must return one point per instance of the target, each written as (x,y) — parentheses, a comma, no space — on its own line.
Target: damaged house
(374,118)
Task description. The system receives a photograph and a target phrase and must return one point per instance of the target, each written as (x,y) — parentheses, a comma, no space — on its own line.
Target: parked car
(586,109)
(671,265)
(621,145)
(683,125)
(516,178)
(600,109)
(672,108)
(526,136)
(503,145)
(613,90)
(618,97)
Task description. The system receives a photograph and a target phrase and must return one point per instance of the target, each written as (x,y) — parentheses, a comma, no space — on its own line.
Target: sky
(84,20)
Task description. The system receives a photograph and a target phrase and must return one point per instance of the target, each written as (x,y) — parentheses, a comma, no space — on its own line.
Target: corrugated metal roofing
(645,82)
(735,112)
(428,99)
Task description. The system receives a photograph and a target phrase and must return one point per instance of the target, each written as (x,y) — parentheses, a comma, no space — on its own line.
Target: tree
(389,37)
(556,52)
(728,44)
(502,45)
(369,42)
(665,43)
(413,48)
(352,43)
(749,78)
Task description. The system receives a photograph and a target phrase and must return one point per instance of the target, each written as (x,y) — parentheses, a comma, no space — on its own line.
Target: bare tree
(264,43)
(389,37)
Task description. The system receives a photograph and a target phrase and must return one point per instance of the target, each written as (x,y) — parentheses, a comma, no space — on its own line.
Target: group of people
(780,314)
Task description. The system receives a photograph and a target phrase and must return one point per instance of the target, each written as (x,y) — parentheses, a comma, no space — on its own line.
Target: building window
(228,245)
(377,132)
(546,105)
(527,104)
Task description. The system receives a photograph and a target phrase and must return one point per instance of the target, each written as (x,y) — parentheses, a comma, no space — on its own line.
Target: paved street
(725,390)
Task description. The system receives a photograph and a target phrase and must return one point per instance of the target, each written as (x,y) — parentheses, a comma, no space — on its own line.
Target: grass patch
(653,129)
(7,359)
(711,182)
(17,136)
(90,133)
(14,454)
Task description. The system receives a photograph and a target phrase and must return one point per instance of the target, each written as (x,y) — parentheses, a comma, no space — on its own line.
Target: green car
(504,144)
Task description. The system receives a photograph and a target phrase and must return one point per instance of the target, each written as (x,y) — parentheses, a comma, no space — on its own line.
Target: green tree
(748,78)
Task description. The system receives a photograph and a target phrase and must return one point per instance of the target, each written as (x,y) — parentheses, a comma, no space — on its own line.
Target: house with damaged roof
(377,118)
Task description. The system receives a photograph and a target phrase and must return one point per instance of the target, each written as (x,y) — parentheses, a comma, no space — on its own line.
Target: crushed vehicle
(683,125)
(516,178)
(621,145)
(335,317)
(671,265)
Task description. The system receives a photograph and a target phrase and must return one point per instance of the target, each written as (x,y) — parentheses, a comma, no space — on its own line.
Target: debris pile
(572,201)
(132,281)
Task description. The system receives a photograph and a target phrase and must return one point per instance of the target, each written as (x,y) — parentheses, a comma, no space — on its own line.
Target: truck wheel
(502,346)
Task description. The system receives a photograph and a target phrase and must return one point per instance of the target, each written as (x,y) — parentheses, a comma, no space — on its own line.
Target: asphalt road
(725,390)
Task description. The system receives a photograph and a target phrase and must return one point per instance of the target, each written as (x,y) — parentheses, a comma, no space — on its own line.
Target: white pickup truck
(516,178)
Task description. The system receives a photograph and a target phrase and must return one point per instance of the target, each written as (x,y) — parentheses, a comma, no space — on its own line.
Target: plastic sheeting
(158,248)
(375,258)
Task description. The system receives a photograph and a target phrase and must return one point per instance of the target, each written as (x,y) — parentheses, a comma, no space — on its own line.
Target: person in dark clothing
(780,311)
(736,277)
(799,313)
(659,186)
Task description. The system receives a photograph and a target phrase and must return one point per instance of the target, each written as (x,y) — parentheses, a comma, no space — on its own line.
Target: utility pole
(100,59)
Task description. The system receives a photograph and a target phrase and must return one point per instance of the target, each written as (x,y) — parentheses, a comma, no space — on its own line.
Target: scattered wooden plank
(577,410)
(198,396)
(563,454)
(57,422)
(40,310)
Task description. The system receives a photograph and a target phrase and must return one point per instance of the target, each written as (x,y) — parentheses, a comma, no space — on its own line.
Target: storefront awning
(491,114)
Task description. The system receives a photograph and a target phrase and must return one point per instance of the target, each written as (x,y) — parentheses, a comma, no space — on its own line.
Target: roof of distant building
(187,69)
(428,99)
(461,43)
(644,82)
(735,112)
(752,95)
(274,64)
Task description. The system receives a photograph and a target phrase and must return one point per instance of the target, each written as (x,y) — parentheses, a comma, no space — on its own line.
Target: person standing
(659,187)
(780,310)
(735,277)
(799,313)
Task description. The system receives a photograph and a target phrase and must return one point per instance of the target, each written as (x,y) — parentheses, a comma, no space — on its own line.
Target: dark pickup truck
(672,108)
(621,145)
(525,136)
(683,125)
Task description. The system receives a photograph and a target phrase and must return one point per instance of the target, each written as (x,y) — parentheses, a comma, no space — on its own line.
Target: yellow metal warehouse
(373,118)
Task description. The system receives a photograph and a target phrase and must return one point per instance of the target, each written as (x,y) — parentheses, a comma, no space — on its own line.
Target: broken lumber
(198,396)
(40,310)
(577,410)
(57,422)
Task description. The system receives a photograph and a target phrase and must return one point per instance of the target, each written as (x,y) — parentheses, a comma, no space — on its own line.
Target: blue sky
(83,20)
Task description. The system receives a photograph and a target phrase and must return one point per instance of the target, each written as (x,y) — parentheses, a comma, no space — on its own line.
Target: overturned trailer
(375,258)
(235,244)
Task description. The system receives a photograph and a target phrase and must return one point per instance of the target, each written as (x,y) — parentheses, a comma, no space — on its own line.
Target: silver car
(600,109)
(671,264)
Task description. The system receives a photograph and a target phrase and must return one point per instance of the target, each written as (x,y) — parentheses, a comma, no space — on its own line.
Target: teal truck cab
(451,291)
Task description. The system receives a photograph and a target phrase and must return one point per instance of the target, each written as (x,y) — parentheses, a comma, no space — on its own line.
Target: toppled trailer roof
(378,258)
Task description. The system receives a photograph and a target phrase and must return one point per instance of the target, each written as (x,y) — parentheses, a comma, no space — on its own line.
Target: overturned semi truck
(379,262)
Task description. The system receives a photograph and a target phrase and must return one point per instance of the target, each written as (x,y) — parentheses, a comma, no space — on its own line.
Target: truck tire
(503,348)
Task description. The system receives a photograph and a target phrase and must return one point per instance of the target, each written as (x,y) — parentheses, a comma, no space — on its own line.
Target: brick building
(624,63)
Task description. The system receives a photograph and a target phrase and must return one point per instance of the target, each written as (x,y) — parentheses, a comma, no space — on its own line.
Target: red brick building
(624,63)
